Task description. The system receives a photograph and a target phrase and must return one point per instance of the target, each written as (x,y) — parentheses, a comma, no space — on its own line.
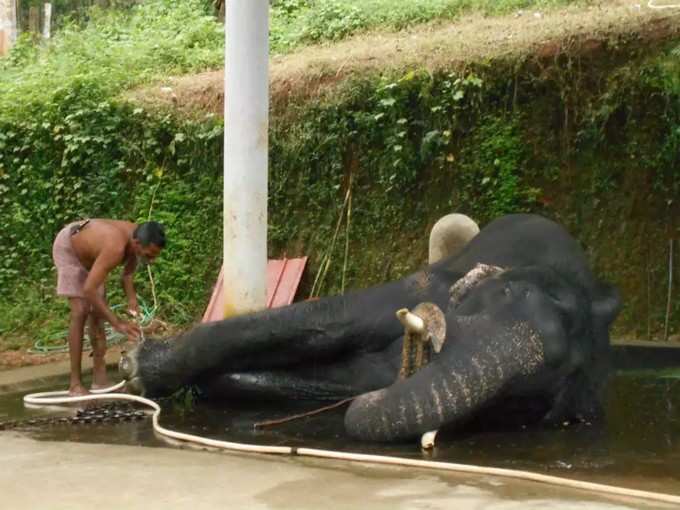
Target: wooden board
(283,279)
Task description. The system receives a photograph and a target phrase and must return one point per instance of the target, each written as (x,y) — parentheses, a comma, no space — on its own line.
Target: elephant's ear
(605,305)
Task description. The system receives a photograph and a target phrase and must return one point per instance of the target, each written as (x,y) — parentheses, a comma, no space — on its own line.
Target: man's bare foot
(77,390)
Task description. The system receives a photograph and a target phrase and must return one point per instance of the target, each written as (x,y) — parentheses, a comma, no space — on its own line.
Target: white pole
(246,118)
(47,21)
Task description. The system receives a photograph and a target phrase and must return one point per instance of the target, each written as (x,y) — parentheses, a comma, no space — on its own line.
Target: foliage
(613,117)
(399,142)
(68,11)
(114,51)
(493,163)
(299,22)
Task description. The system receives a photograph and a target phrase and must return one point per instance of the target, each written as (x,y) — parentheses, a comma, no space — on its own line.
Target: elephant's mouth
(141,366)
(128,368)
(478,360)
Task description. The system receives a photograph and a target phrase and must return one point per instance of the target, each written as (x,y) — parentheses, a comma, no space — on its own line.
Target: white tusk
(427,440)
(411,321)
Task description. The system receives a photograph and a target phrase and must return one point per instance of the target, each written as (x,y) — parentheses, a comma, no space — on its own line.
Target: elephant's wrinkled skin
(532,338)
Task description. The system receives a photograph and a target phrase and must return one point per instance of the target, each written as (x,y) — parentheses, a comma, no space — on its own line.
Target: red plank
(283,279)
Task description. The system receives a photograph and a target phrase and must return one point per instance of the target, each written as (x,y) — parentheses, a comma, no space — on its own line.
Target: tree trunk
(8,25)
(220,6)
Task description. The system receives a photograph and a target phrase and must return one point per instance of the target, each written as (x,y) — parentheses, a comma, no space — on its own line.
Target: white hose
(61,397)
(671,6)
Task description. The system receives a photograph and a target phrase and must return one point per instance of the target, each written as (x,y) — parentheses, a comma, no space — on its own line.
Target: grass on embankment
(296,23)
(119,49)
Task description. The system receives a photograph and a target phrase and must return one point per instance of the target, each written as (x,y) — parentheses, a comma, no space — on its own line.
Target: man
(84,254)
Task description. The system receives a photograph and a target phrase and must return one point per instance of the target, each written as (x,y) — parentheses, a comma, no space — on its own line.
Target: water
(637,444)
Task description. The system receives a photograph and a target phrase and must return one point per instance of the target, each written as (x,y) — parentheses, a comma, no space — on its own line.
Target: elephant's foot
(427,440)
(450,235)
(145,359)
(424,332)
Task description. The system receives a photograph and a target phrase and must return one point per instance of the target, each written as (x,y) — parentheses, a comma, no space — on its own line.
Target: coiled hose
(57,343)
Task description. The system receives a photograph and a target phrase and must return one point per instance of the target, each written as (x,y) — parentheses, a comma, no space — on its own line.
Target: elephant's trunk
(469,371)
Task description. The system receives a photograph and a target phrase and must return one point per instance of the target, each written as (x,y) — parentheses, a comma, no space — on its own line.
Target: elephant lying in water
(526,331)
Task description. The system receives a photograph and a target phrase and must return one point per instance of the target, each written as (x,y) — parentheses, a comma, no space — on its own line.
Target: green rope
(57,343)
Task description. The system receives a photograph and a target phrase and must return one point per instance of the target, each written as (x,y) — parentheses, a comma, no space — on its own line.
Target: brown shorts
(71,274)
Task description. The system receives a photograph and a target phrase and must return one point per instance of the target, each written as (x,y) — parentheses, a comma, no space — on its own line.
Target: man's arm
(128,285)
(107,260)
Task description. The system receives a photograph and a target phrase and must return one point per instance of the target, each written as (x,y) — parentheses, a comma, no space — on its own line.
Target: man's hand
(129,329)
(133,308)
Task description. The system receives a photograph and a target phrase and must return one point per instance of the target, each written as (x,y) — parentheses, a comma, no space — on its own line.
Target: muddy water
(636,445)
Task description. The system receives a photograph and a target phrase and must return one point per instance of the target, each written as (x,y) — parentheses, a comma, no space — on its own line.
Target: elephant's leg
(344,378)
(305,332)
(274,385)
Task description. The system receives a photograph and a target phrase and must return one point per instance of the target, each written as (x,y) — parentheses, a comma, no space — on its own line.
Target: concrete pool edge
(38,376)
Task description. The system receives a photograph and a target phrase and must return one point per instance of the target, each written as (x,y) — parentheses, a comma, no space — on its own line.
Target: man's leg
(79,311)
(98,339)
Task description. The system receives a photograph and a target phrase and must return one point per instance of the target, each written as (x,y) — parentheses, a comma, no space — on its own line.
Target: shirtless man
(84,254)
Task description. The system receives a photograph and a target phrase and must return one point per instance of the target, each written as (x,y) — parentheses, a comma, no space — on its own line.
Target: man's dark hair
(150,232)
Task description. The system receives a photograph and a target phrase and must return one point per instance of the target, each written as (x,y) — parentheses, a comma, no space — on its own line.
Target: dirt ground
(314,71)
(21,357)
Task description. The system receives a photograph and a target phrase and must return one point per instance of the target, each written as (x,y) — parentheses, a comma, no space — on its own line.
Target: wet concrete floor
(637,445)
(60,475)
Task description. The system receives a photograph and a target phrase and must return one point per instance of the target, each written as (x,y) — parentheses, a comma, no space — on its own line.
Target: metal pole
(246,118)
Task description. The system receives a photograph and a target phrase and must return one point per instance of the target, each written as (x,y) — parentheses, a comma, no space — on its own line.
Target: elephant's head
(525,330)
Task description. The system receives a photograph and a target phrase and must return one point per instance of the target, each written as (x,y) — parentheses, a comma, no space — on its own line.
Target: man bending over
(84,254)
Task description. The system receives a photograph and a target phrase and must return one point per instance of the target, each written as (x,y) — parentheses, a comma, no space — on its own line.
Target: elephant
(525,327)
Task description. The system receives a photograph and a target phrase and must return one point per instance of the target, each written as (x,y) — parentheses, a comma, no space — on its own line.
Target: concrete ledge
(641,356)
(29,378)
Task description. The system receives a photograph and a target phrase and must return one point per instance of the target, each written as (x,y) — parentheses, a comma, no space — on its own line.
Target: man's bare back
(101,235)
